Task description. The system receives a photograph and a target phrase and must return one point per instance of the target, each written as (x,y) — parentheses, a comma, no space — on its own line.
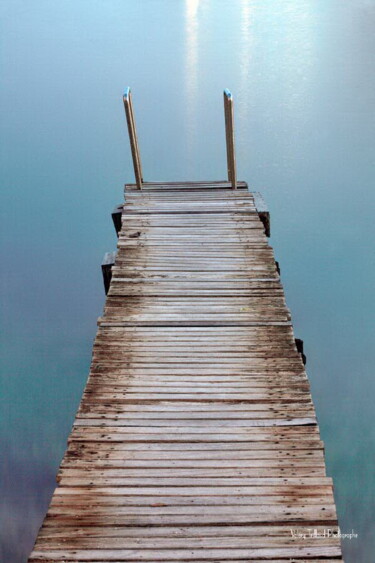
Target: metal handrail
(128,105)
(229,134)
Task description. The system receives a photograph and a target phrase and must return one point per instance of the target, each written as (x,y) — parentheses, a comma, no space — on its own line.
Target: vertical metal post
(128,105)
(229,134)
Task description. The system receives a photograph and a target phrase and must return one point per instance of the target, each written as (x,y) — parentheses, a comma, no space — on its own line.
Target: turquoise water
(303,77)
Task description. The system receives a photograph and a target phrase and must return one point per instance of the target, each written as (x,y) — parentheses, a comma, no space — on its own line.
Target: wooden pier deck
(196,438)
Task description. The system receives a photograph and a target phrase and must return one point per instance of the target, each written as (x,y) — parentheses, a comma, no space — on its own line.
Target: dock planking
(196,437)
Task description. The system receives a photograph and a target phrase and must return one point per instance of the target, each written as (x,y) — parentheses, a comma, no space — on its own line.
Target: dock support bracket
(263,212)
(116,217)
(299,346)
(108,262)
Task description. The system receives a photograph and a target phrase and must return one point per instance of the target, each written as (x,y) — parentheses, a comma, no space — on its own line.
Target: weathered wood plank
(185,554)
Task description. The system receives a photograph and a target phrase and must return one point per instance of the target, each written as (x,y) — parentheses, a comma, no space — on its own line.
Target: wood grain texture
(196,437)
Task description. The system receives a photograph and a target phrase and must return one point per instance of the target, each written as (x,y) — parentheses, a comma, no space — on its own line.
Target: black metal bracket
(116,217)
(108,262)
(263,212)
(299,346)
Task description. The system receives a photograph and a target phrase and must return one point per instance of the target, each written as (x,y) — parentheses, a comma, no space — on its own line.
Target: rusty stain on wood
(196,438)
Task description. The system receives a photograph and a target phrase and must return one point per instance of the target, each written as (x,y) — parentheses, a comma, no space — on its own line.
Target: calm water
(303,76)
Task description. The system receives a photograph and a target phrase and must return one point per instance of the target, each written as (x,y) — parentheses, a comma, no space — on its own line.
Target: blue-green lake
(303,78)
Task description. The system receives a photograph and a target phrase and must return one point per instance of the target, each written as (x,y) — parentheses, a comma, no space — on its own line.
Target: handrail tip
(228,93)
(126,93)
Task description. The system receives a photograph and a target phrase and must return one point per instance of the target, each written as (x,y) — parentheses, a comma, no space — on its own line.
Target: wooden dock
(196,438)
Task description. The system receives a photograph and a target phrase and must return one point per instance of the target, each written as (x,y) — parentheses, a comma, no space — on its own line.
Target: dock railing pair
(229,135)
